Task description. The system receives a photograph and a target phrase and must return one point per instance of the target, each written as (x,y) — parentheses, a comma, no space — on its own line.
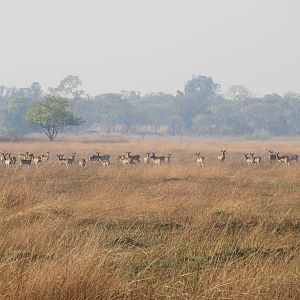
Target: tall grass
(144,232)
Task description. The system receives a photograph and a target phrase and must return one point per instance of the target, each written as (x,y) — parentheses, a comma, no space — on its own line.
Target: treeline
(200,109)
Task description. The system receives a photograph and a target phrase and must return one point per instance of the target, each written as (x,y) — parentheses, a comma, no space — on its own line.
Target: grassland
(145,232)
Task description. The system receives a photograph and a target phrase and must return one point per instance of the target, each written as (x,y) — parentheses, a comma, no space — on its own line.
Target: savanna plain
(179,231)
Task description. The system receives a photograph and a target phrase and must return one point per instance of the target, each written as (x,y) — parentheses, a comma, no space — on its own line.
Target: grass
(145,232)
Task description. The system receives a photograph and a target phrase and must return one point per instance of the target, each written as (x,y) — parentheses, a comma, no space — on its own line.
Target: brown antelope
(147,158)
(168,158)
(3,157)
(158,160)
(105,162)
(283,159)
(200,160)
(249,159)
(125,160)
(9,161)
(45,156)
(82,163)
(256,159)
(65,161)
(135,158)
(221,157)
(37,160)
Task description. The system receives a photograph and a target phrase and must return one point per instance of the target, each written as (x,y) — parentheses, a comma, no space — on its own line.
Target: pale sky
(151,45)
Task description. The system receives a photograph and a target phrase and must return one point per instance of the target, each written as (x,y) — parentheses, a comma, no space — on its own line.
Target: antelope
(147,158)
(256,159)
(9,161)
(294,158)
(125,160)
(3,157)
(24,156)
(72,157)
(82,163)
(65,161)
(158,160)
(98,157)
(272,156)
(249,160)
(200,160)
(45,156)
(283,159)
(168,158)
(135,158)
(105,162)
(37,160)
(26,162)
(221,157)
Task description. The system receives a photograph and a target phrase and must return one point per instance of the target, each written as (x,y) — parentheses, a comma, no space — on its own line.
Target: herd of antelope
(27,159)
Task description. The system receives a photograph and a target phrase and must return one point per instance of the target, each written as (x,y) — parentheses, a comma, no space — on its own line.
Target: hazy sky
(151,45)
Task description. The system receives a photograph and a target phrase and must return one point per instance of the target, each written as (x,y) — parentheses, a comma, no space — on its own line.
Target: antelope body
(147,158)
(256,159)
(272,156)
(221,157)
(158,160)
(200,160)
(135,158)
(283,159)
(249,160)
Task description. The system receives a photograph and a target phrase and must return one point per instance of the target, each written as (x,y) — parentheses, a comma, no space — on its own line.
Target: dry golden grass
(144,232)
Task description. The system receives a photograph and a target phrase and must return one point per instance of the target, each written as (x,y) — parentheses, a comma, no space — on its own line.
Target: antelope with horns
(9,161)
(105,162)
(3,157)
(200,160)
(158,160)
(221,157)
(45,156)
(272,156)
(98,157)
(65,161)
(125,160)
(256,159)
(249,159)
(147,158)
(37,160)
(283,159)
(82,163)
(135,158)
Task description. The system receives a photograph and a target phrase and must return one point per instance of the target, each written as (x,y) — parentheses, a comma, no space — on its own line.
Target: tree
(68,87)
(201,86)
(238,93)
(51,114)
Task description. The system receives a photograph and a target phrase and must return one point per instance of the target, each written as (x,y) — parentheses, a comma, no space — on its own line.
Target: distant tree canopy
(51,114)
(198,109)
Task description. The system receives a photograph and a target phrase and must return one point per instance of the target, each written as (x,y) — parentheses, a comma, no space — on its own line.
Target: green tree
(202,86)
(51,114)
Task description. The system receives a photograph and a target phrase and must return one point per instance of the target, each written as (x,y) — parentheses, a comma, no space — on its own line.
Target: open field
(146,232)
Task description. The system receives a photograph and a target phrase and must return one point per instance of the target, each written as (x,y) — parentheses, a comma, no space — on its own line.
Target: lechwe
(125,160)
(37,160)
(9,161)
(3,157)
(65,161)
(135,158)
(147,158)
(222,157)
(82,163)
(158,160)
(45,156)
(283,159)
(256,159)
(249,159)
(272,156)
(200,160)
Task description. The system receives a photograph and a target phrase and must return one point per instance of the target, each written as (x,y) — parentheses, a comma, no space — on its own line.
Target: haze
(151,45)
